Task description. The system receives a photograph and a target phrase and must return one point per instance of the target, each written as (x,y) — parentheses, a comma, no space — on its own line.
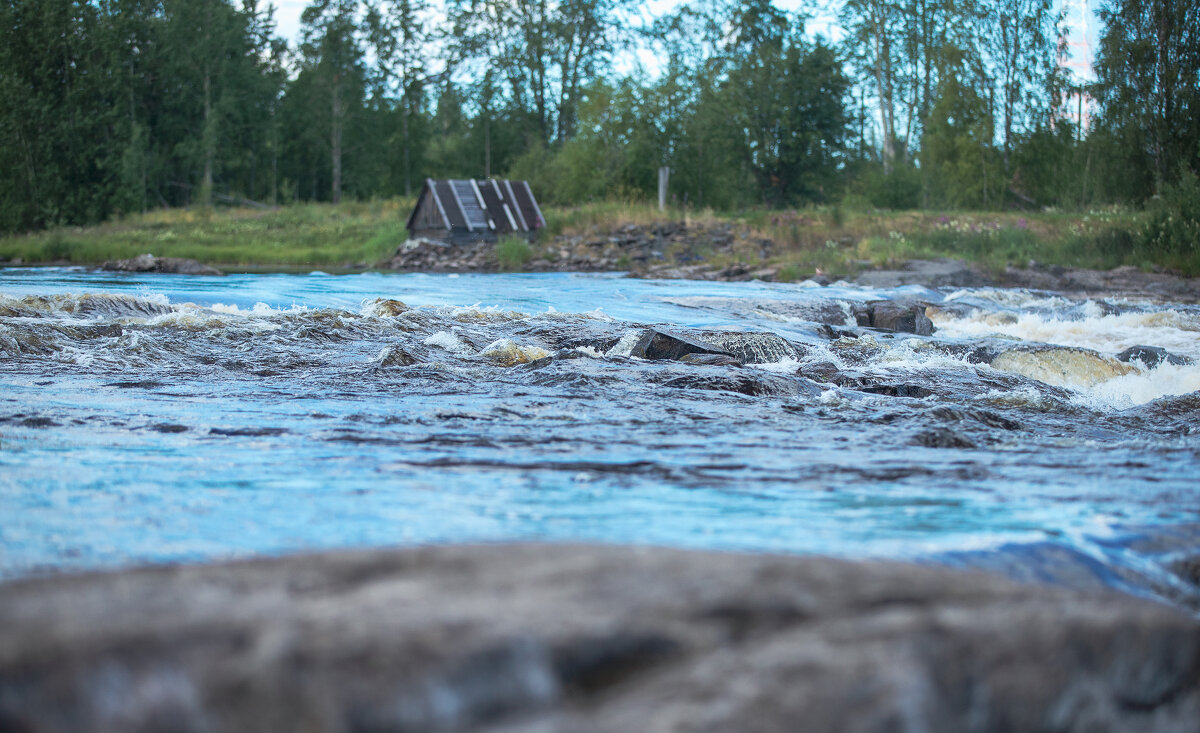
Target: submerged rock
(942,438)
(395,356)
(1061,366)
(506,352)
(711,360)
(753,385)
(573,638)
(655,344)
(753,347)
(150,263)
(1152,356)
(387,307)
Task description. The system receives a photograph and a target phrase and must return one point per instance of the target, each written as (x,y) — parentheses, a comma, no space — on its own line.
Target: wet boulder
(660,345)
(150,263)
(753,347)
(752,385)
(893,315)
(1061,366)
(1152,356)
(387,307)
(942,438)
(506,352)
(395,356)
(711,360)
(827,331)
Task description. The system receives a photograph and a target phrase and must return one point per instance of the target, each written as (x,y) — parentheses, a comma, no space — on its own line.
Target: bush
(899,190)
(788,273)
(512,253)
(1172,226)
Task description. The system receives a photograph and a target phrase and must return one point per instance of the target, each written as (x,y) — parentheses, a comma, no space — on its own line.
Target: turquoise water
(158,418)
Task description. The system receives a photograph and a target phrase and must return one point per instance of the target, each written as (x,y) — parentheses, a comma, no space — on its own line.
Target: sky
(1082,23)
(287,15)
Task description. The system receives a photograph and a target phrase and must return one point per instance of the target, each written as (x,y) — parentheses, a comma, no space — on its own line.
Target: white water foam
(449,342)
(624,345)
(1108,334)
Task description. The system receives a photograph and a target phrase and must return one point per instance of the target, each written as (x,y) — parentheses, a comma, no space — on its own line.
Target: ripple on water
(281,413)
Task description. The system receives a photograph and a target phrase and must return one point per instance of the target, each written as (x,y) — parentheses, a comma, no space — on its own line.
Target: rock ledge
(583,638)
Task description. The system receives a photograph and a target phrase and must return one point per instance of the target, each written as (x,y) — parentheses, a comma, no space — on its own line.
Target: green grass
(302,235)
(835,239)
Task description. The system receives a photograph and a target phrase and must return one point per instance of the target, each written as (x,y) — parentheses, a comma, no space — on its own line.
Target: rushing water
(153,418)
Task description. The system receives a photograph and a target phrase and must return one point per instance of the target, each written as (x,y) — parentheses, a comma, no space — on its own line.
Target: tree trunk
(335,142)
(206,181)
(407,153)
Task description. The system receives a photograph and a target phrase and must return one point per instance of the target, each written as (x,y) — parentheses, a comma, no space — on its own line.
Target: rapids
(158,418)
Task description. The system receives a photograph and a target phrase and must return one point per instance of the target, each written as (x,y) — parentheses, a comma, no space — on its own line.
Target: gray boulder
(584,638)
(891,315)
(150,263)
(655,344)
(1152,356)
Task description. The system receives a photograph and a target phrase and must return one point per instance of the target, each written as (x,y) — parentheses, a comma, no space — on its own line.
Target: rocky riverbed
(585,638)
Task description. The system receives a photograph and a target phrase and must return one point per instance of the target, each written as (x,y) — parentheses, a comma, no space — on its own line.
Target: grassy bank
(833,239)
(308,235)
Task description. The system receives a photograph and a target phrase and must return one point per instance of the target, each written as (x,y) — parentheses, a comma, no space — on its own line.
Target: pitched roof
(499,206)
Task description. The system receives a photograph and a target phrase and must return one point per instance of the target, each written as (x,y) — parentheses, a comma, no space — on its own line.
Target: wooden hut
(460,211)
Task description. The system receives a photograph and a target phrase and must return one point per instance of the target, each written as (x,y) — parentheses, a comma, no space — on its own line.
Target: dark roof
(499,206)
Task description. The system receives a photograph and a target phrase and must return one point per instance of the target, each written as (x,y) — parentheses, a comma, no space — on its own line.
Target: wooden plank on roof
(513,199)
(437,200)
(528,205)
(454,211)
(495,207)
(512,223)
(483,205)
(471,205)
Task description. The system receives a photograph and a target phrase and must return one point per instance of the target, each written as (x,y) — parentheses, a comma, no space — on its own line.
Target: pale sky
(1079,17)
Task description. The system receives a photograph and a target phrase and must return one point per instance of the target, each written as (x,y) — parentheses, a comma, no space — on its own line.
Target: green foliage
(788,273)
(1172,225)
(960,165)
(513,253)
(116,110)
(1148,86)
(896,190)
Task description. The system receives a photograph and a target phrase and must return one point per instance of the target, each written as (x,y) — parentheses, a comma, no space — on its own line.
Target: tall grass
(835,239)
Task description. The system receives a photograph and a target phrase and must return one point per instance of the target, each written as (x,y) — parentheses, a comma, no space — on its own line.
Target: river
(163,418)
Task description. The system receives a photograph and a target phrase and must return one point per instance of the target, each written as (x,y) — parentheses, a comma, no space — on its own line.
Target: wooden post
(664,175)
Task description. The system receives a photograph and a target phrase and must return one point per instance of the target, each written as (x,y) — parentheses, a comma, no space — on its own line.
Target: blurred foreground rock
(579,638)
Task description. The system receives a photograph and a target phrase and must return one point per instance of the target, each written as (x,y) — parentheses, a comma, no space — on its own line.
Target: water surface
(158,418)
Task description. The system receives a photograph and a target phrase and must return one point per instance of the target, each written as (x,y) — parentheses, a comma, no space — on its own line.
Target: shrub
(788,273)
(513,253)
(1173,222)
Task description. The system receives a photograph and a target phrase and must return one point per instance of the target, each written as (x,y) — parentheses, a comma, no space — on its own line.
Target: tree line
(110,107)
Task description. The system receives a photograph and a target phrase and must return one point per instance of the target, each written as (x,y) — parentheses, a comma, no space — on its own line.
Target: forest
(112,107)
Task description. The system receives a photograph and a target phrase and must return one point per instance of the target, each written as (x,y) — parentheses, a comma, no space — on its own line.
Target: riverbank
(579,637)
(776,245)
